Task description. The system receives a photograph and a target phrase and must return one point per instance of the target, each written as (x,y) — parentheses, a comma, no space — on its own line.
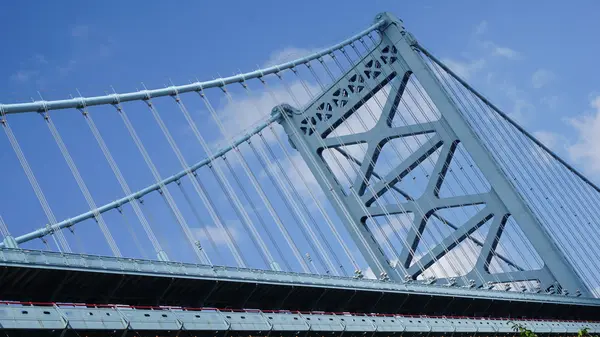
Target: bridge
(365,188)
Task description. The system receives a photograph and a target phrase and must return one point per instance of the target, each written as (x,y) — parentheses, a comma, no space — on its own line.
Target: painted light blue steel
(307,131)
(82,102)
(554,260)
(124,318)
(134,196)
(394,33)
(168,269)
(506,117)
(392,62)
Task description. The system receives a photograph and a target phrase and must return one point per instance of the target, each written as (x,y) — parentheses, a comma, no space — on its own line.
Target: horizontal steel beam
(85,317)
(164,269)
(82,102)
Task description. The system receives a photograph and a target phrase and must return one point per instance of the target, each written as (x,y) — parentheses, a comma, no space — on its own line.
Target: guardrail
(115,317)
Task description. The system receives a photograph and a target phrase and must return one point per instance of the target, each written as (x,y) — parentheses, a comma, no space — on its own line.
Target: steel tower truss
(392,63)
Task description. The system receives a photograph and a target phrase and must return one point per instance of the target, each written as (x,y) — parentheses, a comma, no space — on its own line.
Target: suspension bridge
(365,188)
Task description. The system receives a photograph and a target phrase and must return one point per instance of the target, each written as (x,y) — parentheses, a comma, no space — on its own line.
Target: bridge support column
(304,139)
(555,262)
(10,242)
(395,62)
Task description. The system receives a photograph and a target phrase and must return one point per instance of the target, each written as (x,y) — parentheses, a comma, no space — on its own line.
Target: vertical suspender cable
(320,207)
(186,228)
(198,218)
(336,199)
(3,228)
(257,187)
(121,179)
(393,146)
(384,158)
(352,191)
(82,185)
(290,201)
(255,183)
(227,188)
(229,193)
(505,233)
(64,244)
(136,241)
(164,191)
(295,212)
(436,189)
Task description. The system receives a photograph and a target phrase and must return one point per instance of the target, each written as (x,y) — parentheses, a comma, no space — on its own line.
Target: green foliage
(523,331)
(585,332)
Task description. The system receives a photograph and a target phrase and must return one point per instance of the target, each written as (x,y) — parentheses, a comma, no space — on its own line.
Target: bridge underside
(132,282)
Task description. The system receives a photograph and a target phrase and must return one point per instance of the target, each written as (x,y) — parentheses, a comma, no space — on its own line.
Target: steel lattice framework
(367,201)
(393,62)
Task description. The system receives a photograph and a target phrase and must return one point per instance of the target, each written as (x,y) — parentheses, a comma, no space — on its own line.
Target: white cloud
(245,111)
(456,263)
(554,141)
(484,55)
(586,150)
(541,78)
(31,69)
(481,28)
(506,52)
(23,76)
(81,54)
(497,50)
(463,69)
(294,168)
(522,110)
(218,235)
(550,139)
(39,59)
(80,31)
(491,47)
(289,54)
(399,223)
(550,101)
(66,69)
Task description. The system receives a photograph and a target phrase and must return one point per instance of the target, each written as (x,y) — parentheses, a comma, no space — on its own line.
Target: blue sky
(547,67)
(534,60)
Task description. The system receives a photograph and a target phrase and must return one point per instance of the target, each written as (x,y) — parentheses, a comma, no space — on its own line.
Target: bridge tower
(395,60)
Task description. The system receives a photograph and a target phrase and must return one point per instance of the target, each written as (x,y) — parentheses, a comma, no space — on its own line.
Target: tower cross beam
(313,129)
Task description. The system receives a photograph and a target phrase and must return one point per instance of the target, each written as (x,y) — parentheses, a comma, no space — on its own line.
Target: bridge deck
(53,277)
(27,318)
